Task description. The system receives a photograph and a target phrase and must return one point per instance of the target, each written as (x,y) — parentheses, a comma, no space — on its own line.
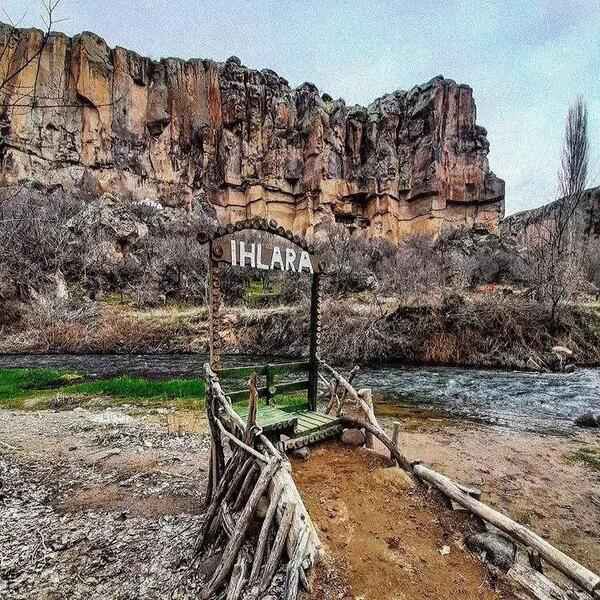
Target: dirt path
(384,538)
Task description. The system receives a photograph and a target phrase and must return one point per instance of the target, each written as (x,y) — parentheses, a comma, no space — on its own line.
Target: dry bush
(61,324)
(442,348)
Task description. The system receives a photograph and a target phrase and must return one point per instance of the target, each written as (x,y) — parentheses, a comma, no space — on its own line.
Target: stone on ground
(353,437)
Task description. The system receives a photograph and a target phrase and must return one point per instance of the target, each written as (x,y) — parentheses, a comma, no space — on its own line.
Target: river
(542,402)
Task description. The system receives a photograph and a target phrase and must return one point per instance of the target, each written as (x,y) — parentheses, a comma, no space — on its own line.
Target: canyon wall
(85,116)
(524,228)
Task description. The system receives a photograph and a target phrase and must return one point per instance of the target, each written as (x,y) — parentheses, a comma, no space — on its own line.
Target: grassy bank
(49,388)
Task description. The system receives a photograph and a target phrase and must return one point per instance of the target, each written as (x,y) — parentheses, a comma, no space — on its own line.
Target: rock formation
(523,228)
(109,120)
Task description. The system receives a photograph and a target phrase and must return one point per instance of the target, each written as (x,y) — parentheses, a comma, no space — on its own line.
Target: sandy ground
(104,503)
(526,475)
(385,538)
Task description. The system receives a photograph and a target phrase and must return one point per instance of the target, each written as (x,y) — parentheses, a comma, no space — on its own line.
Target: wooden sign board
(266,256)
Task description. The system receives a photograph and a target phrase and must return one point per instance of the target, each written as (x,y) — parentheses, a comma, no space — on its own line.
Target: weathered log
(367,398)
(396,436)
(214,506)
(283,479)
(241,444)
(352,393)
(227,519)
(278,545)
(294,566)
(304,581)
(210,486)
(382,437)
(246,488)
(239,476)
(353,373)
(252,409)
(264,534)
(582,576)
(535,560)
(237,539)
(266,442)
(539,586)
(238,578)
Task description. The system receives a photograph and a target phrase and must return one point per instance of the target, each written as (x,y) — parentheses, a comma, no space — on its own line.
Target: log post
(315,334)
(270,381)
(214,310)
(294,566)
(382,437)
(396,437)
(367,396)
(278,546)
(264,535)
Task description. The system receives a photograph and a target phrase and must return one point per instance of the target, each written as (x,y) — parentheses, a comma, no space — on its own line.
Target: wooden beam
(290,367)
(539,586)
(353,394)
(241,444)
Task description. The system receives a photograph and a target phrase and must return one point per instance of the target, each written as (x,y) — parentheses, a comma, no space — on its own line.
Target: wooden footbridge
(298,424)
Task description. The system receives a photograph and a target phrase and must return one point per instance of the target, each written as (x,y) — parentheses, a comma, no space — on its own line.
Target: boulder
(588,420)
(495,548)
(303,453)
(353,437)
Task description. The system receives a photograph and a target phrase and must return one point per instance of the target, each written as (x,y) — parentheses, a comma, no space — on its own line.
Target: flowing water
(544,402)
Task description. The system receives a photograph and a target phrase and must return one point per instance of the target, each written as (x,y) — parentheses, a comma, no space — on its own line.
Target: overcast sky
(526,60)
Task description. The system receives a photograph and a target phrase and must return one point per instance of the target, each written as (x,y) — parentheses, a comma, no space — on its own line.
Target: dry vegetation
(87,273)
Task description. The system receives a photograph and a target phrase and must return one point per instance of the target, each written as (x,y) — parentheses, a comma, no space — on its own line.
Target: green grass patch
(292,402)
(587,456)
(18,384)
(39,387)
(140,388)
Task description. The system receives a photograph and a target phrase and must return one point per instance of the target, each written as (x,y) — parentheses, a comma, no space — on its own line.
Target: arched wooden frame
(214,290)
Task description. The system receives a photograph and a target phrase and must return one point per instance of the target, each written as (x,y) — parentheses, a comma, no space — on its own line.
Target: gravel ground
(99,504)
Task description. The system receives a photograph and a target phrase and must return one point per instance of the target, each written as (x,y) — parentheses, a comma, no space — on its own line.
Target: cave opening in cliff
(350,211)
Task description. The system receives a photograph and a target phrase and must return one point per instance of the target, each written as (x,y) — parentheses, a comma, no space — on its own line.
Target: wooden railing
(269,371)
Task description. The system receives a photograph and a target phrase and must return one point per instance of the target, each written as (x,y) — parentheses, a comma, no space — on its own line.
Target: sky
(526,60)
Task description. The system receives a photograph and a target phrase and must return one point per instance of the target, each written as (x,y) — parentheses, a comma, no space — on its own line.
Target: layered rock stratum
(85,116)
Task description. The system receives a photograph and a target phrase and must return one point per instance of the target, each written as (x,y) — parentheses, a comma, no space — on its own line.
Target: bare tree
(12,95)
(556,255)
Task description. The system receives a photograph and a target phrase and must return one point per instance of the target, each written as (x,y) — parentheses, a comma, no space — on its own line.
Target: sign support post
(315,334)
(214,310)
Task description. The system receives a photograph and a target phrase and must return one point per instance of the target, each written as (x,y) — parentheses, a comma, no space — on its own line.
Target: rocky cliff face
(523,228)
(109,120)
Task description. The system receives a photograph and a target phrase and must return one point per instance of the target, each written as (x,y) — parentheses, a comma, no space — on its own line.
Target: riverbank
(479,332)
(104,502)
(541,480)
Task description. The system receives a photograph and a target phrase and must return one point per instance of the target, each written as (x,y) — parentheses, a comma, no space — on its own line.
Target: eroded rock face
(526,227)
(411,162)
